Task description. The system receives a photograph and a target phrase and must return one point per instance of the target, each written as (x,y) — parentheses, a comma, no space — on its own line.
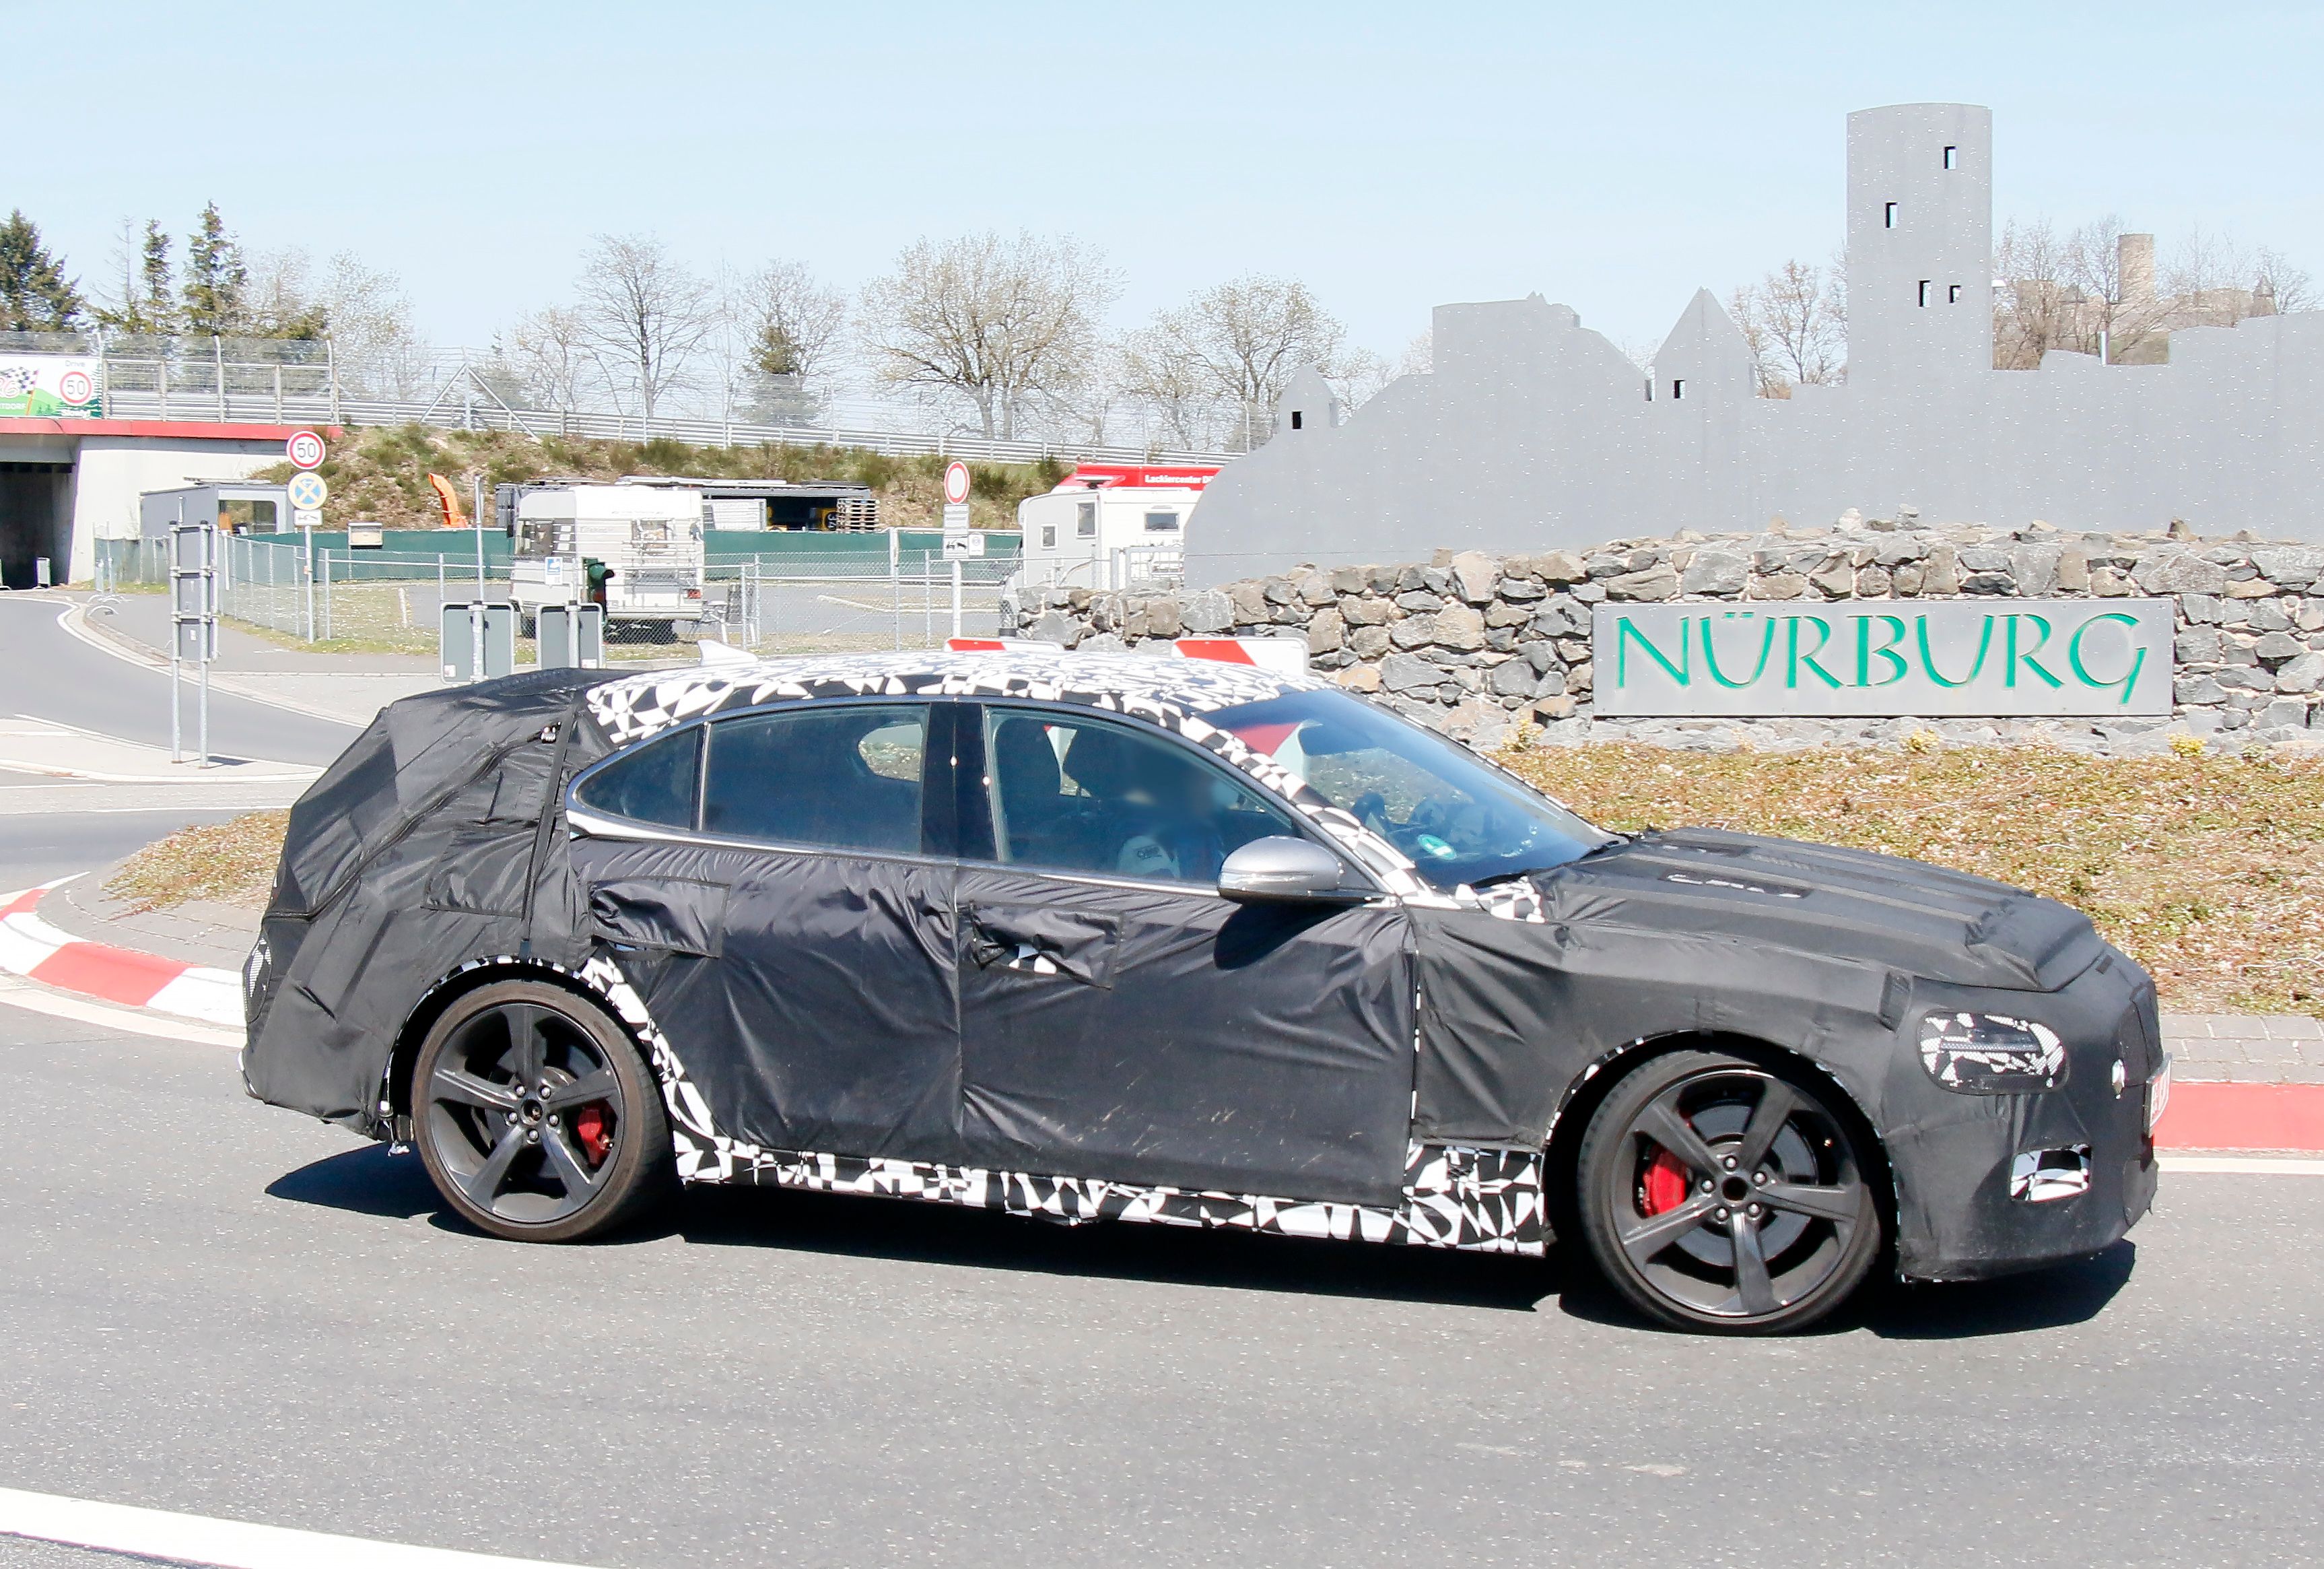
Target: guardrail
(199,391)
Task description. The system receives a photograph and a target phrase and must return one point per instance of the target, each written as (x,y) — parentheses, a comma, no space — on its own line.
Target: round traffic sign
(955,481)
(306,450)
(75,387)
(307,493)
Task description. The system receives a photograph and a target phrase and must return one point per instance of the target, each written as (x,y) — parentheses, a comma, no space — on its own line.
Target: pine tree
(36,295)
(216,279)
(148,302)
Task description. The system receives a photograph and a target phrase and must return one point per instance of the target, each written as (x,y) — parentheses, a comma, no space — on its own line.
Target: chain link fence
(390,601)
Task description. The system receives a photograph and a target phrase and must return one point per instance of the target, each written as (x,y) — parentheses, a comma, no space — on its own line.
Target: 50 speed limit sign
(306,450)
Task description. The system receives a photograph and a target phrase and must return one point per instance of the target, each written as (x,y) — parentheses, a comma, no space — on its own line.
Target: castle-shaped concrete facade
(1532,432)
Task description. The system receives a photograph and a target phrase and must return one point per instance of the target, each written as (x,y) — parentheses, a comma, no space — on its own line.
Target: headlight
(1988,1054)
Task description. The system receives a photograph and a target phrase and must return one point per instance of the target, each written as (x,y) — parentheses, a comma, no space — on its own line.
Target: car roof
(630,707)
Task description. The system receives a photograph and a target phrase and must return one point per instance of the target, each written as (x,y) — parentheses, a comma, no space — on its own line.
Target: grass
(381,472)
(2208,871)
(231,863)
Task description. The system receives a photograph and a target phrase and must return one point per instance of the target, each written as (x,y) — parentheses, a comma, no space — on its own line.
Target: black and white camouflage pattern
(1486,1201)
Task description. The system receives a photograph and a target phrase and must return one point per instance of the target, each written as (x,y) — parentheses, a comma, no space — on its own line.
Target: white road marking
(223,1544)
(2243,1165)
(38,999)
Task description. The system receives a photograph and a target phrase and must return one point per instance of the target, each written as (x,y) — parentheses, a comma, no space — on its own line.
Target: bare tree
(643,315)
(549,354)
(1796,320)
(2031,310)
(1243,339)
(1180,398)
(788,326)
(1001,323)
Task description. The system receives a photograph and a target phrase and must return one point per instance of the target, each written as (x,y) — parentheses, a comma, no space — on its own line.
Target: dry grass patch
(232,863)
(2209,870)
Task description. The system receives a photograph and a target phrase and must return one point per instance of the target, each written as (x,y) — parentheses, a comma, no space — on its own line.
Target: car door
(1121,1020)
(767,881)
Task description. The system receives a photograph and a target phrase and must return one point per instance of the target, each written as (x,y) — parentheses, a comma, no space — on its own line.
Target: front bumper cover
(1992,1184)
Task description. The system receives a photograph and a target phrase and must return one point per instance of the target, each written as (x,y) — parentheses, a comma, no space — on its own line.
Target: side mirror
(1281,867)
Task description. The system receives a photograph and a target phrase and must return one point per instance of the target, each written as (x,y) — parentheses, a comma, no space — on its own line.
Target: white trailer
(1110,526)
(650,537)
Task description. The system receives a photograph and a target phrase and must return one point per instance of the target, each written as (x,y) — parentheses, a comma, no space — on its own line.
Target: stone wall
(1489,648)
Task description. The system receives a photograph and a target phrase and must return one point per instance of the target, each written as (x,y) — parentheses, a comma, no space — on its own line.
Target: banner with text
(1877,658)
(53,386)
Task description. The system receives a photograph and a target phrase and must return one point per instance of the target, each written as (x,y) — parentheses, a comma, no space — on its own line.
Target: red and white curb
(33,948)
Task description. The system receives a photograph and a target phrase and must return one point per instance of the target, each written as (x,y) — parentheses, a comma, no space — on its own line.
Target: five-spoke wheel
(535,1115)
(1719,1193)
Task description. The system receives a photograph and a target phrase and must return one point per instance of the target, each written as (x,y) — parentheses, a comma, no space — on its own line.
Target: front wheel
(535,1116)
(1719,1193)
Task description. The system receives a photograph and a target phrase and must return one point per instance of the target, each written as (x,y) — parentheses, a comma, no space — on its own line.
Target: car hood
(1910,917)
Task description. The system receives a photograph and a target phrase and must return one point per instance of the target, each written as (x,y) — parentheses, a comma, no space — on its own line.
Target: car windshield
(1460,819)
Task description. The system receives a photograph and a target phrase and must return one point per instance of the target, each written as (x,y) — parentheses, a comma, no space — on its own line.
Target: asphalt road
(219,1308)
(56,677)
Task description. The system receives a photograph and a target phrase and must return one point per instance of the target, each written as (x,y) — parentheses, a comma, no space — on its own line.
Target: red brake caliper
(1664,1186)
(593,1124)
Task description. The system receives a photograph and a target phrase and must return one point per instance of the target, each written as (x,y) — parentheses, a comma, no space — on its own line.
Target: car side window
(1086,795)
(653,783)
(841,778)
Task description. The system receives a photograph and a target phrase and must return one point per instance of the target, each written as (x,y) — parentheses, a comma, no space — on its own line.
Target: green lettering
(1794,659)
(2009,677)
(1929,661)
(1623,634)
(1866,654)
(1710,654)
(2081,672)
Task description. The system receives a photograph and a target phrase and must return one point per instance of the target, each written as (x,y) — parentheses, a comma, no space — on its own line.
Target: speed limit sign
(306,450)
(955,482)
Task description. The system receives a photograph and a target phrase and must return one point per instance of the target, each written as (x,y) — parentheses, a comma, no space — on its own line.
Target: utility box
(459,643)
(571,637)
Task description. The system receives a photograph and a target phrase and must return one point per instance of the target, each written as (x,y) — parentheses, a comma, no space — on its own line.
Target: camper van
(648,539)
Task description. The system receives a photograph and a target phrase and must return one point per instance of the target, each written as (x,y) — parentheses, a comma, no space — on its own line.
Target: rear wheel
(535,1116)
(1724,1194)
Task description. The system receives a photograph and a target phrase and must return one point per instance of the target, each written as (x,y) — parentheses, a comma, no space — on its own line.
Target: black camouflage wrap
(1392,1071)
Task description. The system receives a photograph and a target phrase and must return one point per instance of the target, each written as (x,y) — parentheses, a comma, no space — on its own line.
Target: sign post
(193,631)
(956,540)
(308,495)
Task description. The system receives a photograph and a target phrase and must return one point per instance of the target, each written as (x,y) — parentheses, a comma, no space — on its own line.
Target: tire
(1786,1221)
(536,1117)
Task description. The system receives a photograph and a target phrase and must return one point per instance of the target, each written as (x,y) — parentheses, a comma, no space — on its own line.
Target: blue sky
(1393,157)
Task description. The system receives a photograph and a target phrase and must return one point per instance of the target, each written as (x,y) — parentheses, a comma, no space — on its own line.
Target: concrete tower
(1920,242)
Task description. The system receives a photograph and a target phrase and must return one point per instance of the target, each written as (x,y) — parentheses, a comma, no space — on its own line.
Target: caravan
(635,550)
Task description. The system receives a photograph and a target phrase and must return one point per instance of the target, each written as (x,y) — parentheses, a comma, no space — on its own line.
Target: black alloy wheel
(536,1117)
(1725,1195)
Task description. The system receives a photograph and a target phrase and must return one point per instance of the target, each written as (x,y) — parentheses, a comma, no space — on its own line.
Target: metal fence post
(327,594)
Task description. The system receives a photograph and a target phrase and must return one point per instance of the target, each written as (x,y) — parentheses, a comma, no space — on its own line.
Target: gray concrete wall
(1533,432)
